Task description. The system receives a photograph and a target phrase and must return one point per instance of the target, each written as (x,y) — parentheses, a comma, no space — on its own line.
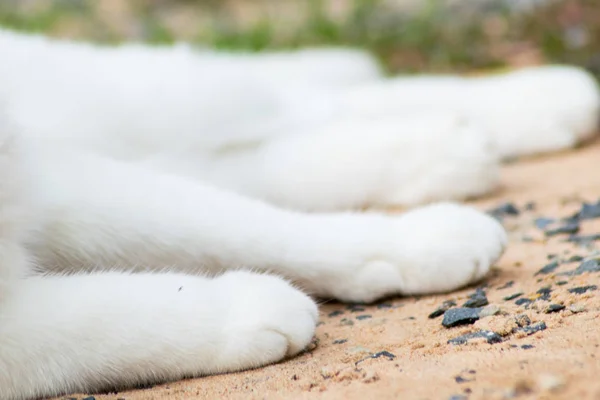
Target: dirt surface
(393,350)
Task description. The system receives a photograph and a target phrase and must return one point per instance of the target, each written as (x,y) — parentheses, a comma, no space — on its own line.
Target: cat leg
(102,212)
(14,212)
(105,331)
(355,163)
(525,112)
(111,331)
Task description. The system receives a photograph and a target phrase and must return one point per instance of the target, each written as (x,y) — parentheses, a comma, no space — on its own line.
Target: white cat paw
(536,110)
(439,157)
(267,320)
(390,161)
(433,249)
(529,111)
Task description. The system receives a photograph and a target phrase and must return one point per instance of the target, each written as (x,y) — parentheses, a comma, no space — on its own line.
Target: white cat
(140,195)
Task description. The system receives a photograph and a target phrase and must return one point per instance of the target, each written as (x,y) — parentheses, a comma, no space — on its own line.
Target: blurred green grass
(434,38)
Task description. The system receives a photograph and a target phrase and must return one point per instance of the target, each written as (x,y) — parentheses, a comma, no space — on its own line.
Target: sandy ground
(392,350)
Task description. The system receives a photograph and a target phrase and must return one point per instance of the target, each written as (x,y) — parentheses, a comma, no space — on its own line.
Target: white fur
(530,111)
(354,163)
(231,117)
(105,330)
(110,331)
(123,242)
(96,212)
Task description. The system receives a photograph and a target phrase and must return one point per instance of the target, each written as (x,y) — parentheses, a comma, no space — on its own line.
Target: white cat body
(152,200)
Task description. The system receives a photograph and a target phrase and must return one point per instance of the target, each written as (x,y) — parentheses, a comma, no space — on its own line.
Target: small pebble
(531,329)
(545,293)
(460,316)
(489,336)
(586,266)
(587,211)
(446,305)
(460,379)
(507,285)
(527,346)
(503,210)
(582,289)
(513,296)
(552,308)
(548,268)
(576,308)
(574,258)
(385,354)
(543,223)
(489,310)
(335,313)
(583,239)
(477,299)
(523,302)
(362,317)
(340,341)
(355,308)
(568,228)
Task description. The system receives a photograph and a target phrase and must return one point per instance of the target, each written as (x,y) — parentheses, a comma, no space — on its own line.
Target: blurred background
(465,36)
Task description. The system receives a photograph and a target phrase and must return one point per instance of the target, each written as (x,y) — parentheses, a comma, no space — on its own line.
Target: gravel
(460,316)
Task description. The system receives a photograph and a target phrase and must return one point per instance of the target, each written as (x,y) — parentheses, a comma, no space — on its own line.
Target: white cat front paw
(437,248)
(448,246)
(267,320)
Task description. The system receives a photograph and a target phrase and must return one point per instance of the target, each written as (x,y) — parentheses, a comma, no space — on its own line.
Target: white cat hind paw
(452,159)
(537,110)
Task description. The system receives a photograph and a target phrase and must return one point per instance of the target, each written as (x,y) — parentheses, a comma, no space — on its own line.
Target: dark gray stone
(460,316)
(531,329)
(513,296)
(523,302)
(568,228)
(503,210)
(545,293)
(587,211)
(583,239)
(477,299)
(583,289)
(552,308)
(446,305)
(385,354)
(586,266)
(548,269)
